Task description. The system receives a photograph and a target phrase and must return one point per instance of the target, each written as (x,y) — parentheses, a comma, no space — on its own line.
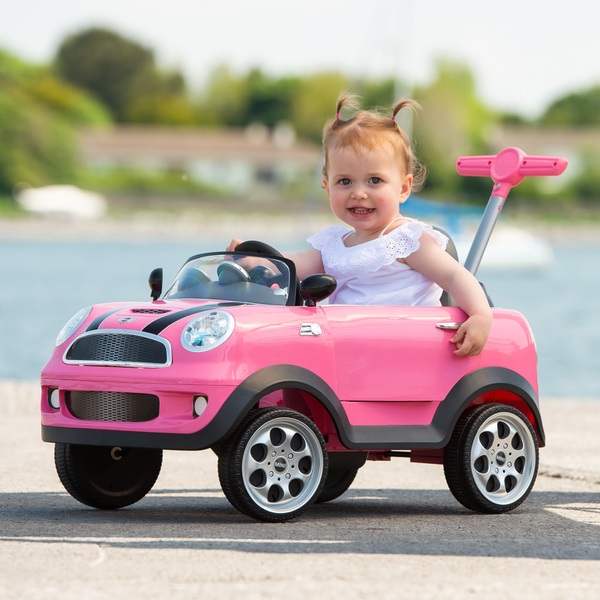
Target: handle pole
(484,232)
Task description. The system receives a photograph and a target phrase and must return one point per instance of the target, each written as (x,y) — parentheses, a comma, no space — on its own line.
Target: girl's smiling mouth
(357,210)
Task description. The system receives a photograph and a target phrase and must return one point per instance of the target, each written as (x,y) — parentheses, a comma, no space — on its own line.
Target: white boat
(510,247)
(63,200)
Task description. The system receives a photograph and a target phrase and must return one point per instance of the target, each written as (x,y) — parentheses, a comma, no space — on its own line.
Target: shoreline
(191,225)
(183,226)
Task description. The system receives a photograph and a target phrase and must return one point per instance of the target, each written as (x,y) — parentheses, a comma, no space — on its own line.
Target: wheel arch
(318,400)
(492,385)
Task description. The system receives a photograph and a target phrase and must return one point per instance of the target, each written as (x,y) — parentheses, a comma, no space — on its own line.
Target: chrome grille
(122,407)
(119,348)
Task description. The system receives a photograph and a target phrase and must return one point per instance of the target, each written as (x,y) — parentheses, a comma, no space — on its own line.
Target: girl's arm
(450,275)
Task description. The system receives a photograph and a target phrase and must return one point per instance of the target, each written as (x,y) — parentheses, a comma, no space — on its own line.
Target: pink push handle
(509,167)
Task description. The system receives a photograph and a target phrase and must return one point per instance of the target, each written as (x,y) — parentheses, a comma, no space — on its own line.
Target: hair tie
(337,115)
(394,118)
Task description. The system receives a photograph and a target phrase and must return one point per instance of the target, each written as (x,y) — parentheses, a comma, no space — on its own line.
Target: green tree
(38,116)
(224,98)
(269,100)
(577,109)
(454,123)
(378,93)
(314,103)
(122,74)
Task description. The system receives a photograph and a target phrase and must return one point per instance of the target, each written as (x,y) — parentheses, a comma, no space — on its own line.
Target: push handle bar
(508,168)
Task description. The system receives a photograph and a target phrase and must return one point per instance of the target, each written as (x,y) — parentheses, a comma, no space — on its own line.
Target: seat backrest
(445,299)
(451,250)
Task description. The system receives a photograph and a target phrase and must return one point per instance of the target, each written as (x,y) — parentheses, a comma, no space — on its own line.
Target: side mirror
(315,288)
(155,281)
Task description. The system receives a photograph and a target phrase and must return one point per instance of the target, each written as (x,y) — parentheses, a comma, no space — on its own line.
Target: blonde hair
(369,129)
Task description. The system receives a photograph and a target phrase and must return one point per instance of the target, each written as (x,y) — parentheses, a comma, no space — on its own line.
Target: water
(42,283)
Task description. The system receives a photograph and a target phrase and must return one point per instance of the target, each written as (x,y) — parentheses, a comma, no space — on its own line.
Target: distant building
(241,162)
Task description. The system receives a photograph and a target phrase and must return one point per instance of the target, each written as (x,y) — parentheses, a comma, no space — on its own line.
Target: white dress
(370,274)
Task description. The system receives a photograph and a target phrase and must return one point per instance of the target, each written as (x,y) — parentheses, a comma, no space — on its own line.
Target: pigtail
(406,103)
(345,102)
(418,170)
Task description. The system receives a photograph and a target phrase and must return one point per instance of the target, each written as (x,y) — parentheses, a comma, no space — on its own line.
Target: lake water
(42,283)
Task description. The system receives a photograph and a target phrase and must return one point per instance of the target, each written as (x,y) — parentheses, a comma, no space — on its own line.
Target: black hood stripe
(159,325)
(162,323)
(95,324)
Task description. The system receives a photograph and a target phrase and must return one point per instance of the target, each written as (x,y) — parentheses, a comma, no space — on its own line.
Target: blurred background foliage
(99,79)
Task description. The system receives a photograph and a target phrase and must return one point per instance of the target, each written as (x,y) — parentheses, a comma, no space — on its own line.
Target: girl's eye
(375,180)
(345,181)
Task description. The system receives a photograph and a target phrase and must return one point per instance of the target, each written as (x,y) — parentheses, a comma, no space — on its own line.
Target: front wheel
(491,461)
(274,466)
(107,477)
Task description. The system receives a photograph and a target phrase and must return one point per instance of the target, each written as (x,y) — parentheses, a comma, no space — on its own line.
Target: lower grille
(122,407)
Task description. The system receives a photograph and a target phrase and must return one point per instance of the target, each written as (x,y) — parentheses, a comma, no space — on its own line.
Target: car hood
(150,318)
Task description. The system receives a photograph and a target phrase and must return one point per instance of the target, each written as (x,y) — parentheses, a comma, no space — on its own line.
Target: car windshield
(238,277)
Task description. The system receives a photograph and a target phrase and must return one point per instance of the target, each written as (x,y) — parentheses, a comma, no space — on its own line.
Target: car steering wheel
(262,248)
(258,247)
(231,272)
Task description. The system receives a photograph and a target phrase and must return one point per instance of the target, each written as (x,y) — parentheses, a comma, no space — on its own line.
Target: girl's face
(366,188)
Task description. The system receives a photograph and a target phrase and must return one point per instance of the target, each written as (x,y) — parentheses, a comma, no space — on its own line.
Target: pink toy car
(293,394)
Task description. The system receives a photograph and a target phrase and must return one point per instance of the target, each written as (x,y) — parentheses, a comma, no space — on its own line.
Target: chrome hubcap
(282,465)
(503,458)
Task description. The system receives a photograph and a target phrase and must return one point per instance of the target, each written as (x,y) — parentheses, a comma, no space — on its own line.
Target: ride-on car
(294,394)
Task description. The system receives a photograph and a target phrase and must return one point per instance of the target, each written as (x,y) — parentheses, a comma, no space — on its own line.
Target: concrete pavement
(397,532)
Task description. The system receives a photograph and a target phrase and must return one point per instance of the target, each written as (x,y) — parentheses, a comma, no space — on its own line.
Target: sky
(524,54)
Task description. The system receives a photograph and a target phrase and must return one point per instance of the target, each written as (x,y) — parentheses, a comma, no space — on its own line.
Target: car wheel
(343,468)
(274,466)
(107,477)
(338,481)
(491,461)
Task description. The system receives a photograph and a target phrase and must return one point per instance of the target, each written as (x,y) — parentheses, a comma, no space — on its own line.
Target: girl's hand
(233,244)
(472,336)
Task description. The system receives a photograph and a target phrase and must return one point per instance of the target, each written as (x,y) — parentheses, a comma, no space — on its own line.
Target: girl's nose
(359,192)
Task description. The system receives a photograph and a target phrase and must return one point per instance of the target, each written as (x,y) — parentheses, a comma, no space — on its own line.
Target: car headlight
(72,324)
(207,331)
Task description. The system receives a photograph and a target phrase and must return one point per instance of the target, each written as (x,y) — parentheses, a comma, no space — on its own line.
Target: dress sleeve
(404,240)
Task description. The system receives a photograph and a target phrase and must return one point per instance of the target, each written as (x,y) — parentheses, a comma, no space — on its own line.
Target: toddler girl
(384,257)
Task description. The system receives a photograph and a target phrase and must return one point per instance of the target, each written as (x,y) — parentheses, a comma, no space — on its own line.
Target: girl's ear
(406,188)
(325,185)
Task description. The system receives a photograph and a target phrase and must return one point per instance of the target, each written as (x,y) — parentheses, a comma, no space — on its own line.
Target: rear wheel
(274,466)
(491,461)
(343,468)
(107,477)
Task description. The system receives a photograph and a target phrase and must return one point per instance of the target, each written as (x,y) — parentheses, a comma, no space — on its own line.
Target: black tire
(491,461)
(343,468)
(274,465)
(107,477)
(337,483)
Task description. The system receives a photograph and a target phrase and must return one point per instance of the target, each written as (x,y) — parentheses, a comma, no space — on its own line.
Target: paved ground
(397,533)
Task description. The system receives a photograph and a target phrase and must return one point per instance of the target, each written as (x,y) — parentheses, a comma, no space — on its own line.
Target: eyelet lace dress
(369,273)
